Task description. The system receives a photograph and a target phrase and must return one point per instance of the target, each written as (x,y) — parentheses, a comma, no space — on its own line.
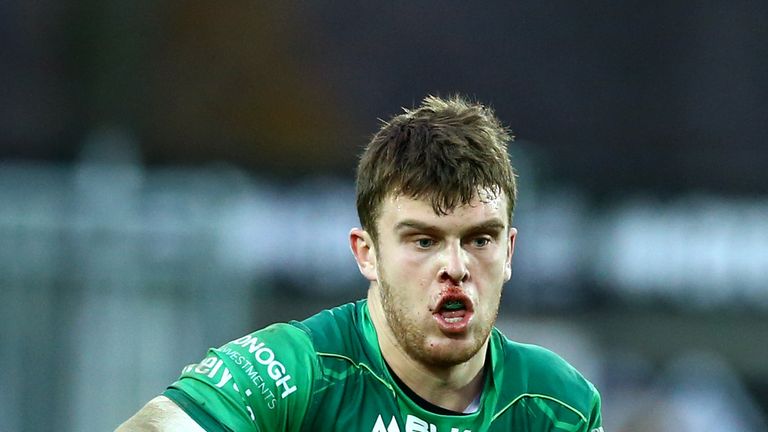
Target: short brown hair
(444,150)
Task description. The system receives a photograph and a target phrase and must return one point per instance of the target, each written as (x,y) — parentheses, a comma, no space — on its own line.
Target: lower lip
(455,328)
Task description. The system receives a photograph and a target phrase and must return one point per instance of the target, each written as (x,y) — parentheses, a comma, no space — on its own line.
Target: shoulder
(267,377)
(327,326)
(538,372)
(329,331)
(276,341)
(334,330)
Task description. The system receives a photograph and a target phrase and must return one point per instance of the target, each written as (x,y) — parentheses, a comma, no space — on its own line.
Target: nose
(455,266)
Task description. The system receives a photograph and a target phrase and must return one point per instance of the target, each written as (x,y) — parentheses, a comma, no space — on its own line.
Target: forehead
(482,208)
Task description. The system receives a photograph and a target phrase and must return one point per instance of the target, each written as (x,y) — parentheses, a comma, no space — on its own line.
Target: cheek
(415,264)
(493,270)
(405,268)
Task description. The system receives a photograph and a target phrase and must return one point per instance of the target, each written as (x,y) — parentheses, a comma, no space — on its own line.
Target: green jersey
(326,373)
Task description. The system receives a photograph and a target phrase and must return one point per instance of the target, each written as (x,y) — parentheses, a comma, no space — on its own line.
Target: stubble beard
(412,337)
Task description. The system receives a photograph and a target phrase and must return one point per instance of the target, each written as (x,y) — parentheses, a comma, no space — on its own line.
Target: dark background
(173,174)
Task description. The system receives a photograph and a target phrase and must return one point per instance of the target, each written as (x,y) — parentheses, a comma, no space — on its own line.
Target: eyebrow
(494,225)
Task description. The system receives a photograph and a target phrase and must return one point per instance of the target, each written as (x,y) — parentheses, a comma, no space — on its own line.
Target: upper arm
(262,381)
(160,415)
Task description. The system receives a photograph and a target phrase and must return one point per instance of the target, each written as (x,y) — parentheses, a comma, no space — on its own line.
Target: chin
(450,352)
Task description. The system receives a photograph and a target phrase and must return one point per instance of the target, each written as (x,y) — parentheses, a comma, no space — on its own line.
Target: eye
(480,242)
(425,243)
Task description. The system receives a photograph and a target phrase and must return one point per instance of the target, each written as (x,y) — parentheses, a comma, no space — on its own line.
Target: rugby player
(435,196)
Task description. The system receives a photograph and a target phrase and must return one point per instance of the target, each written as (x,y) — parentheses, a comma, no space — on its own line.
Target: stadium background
(174,174)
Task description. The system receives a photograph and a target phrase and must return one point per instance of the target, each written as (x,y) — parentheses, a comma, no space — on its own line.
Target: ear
(363,249)
(510,252)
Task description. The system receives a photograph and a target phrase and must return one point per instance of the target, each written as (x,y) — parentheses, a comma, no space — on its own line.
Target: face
(440,277)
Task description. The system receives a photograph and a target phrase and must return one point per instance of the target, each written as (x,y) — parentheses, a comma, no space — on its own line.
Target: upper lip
(454,295)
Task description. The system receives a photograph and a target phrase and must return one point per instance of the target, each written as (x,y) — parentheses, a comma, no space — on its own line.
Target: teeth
(453,320)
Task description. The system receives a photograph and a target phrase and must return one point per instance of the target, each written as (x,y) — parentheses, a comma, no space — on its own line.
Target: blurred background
(174,175)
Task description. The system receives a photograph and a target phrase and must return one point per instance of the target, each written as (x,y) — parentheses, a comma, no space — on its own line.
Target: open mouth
(453,312)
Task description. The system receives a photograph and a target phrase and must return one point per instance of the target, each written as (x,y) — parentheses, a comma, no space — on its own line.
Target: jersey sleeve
(595,421)
(259,382)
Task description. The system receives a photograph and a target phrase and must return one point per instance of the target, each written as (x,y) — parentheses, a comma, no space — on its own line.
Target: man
(435,196)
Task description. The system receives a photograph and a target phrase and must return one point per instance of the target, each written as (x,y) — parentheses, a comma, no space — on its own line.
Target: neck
(451,387)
